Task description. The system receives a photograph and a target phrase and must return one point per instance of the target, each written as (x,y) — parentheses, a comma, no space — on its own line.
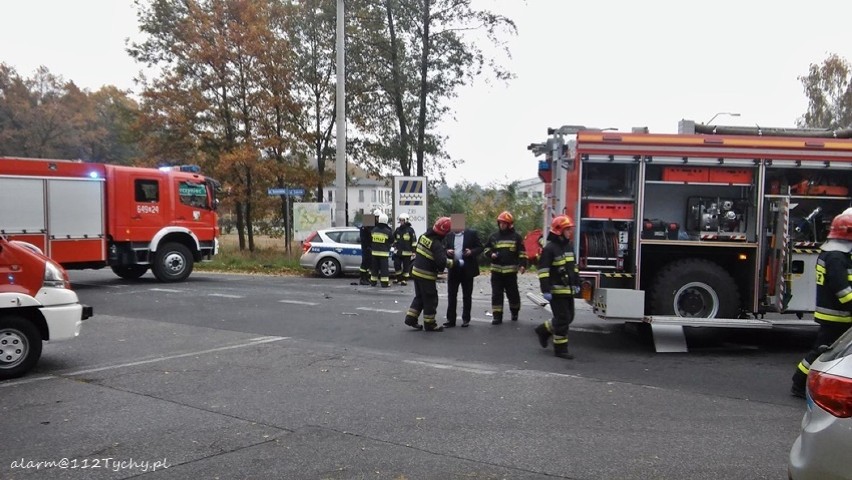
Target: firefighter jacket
(834,288)
(509,247)
(366,238)
(405,240)
(557,270)
(382,238)
(431,257)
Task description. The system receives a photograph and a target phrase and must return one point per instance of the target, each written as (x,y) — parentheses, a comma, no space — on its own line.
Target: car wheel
(172,263)
(129,272)
(20,346)
(695,288)
(329,268)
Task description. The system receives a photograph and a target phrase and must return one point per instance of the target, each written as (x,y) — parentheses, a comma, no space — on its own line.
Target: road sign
(293,192)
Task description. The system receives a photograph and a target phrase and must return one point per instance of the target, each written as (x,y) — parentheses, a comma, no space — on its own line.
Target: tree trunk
(249,222)
(404,158)
(241,226)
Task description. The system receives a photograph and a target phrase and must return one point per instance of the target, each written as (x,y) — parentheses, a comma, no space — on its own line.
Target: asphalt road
(232,376)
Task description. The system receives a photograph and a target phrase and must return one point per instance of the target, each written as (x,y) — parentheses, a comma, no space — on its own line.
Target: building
(365,194)
(532,188)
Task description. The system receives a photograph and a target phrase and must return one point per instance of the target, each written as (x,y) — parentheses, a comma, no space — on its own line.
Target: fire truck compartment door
(75,208)
(22,205)
(803,282)
(619,303)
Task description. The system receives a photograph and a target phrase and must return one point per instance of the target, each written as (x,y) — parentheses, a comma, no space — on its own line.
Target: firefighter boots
(365,278)
(561,350)
(543,335)
(412,322)
(432,327)
(514,316)
(498,319)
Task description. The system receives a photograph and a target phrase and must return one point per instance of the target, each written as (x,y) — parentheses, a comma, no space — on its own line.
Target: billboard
(308,217)
(410,196)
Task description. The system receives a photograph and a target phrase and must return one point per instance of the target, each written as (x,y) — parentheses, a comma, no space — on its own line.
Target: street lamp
(721,113)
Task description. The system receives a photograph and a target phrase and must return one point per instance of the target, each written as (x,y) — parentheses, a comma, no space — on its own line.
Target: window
(193,194)
(374,196)
(352,237)
(330,196)
(147,191)
(361,196)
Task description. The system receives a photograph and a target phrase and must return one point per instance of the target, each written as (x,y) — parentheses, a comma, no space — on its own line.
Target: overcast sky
(601,64)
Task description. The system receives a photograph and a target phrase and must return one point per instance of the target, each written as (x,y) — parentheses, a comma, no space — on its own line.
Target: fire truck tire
(20,346)
(130,272)
(695,288)
(172,263)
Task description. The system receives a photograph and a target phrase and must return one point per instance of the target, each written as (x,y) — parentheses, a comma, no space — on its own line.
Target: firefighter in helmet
(430,260)
(405,241)
(559,280)
(505,249)
(366,237)
(382,237)
(833,294)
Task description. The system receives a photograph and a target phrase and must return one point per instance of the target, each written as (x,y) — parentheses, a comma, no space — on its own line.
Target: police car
(332,251)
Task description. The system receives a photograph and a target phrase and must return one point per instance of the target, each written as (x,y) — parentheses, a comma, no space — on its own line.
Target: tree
(407,60)
(224,93)
(829,92)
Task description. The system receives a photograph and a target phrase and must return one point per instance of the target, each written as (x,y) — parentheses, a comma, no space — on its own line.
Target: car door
(350,241)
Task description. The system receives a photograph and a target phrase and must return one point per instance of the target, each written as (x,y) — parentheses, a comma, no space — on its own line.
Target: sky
(613,64)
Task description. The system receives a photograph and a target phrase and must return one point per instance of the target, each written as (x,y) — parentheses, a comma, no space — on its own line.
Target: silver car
(332,251)
(824,448)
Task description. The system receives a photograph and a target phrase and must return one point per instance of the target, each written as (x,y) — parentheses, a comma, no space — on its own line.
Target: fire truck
(89,215)
(710,227)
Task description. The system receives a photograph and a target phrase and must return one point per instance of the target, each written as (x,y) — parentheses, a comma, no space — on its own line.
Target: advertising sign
(308,217)
(410,196)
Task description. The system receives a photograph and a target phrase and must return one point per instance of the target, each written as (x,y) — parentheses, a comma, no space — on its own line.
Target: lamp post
(732,114)
(341,216)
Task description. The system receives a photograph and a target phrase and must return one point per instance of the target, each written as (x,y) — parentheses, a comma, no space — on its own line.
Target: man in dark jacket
(405,241)
(833,310)
(464,247)
(430,260)
(559,279)
(366,238)
(508,257)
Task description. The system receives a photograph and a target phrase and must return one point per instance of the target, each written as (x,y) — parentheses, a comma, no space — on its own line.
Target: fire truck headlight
(53,276)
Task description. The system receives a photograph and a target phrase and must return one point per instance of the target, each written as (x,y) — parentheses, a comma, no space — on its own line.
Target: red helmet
(841,227)
(506,217)
(442,226)
(560,223)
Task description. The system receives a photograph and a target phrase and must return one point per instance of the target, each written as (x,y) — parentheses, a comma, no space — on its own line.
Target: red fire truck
(713,226)
(88,215)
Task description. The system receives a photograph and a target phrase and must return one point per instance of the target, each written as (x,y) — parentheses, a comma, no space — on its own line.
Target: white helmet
(377,212)
(403,216)
(383,218)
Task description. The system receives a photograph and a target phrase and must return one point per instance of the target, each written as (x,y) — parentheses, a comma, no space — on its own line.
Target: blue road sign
(293,192)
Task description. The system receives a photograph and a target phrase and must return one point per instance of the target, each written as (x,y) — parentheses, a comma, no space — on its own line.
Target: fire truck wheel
(20,346)
(695,288)
(329,268)
(172,263)
(130,272)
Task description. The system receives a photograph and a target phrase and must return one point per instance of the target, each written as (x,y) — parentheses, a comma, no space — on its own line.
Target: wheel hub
(174,262)
(697,300)
(13,348)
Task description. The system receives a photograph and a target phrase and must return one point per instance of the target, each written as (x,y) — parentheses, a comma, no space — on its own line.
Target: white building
(364,196)
(532,188)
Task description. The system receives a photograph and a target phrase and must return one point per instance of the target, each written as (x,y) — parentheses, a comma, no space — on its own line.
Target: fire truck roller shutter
(695,288)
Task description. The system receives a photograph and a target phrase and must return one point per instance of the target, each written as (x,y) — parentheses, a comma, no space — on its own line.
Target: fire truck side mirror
(215,204)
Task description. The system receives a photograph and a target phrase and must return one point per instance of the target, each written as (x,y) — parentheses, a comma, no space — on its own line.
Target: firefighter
(833,310)
(405,241)
(508,257)
(559,280)
(382,237)
(429,261)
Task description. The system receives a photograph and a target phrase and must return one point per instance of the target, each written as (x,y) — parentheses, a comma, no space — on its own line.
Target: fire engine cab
(88,215)
(713,226)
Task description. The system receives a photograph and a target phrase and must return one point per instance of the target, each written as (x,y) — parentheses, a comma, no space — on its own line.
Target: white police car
(332,251)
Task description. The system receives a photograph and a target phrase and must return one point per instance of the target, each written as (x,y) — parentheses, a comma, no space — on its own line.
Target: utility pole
(341,216)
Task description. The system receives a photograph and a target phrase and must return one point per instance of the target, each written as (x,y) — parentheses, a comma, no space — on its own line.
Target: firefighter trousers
(402,266)
(366,265)
(562,307)
(507,282)
(425,300)
(379,271)
(826,335)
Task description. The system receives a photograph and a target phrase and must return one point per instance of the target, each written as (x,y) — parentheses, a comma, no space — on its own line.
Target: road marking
(298,302)
(451,367)
(250,343)
(380,310)
(167,290)
(224,295)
